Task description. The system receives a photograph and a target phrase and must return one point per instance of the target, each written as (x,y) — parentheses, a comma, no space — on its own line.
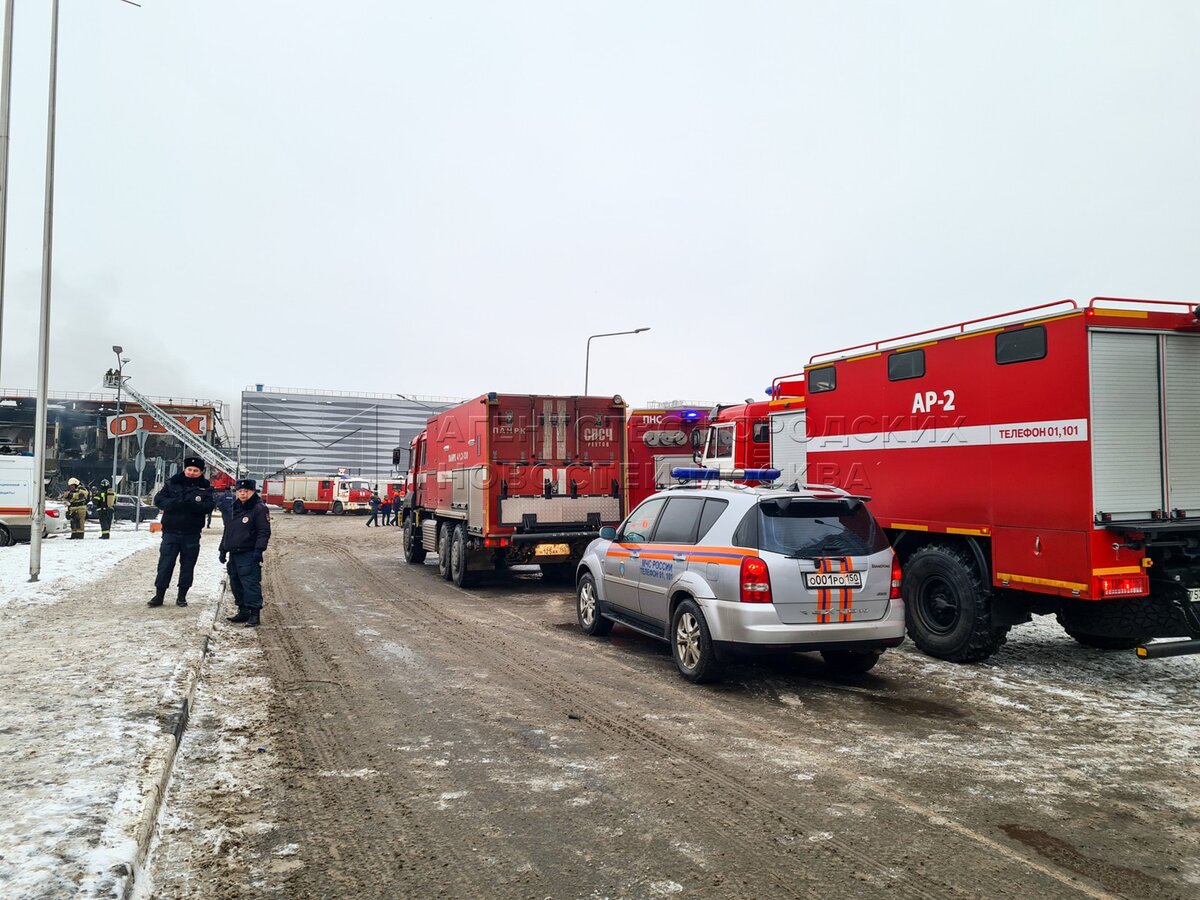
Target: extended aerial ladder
(189,439)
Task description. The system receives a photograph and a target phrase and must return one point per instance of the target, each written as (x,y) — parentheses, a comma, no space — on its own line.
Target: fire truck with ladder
(1041,461)
(515,479)
(301,493)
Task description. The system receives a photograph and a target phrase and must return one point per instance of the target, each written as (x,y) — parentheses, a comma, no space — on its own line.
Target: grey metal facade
(326,431)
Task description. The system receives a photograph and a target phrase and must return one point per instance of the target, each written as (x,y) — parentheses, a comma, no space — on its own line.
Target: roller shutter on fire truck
(1182,354)
(789,445)
(1145,407)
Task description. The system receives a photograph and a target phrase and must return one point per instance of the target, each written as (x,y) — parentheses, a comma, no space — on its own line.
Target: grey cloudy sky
(448,197)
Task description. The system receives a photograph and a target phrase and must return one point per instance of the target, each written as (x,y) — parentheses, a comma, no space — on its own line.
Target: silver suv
(723,569)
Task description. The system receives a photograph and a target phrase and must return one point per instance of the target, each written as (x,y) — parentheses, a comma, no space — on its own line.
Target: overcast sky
(447,198)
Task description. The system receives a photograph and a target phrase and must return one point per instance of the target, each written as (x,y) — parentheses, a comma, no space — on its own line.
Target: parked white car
(56,519)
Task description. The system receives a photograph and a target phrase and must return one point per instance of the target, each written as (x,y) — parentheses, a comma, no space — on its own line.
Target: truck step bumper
(1160,649)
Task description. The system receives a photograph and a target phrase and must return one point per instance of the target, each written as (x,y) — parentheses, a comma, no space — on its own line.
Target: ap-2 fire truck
(300,494)
(1041,461)
(514,479)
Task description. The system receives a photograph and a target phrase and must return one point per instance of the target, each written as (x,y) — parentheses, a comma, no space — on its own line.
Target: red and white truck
(759,433)
(1042,461)
(300,494)
(512,479)
(659,440)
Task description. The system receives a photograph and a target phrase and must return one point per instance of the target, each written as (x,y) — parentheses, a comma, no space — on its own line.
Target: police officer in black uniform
(186,500)
(247,531)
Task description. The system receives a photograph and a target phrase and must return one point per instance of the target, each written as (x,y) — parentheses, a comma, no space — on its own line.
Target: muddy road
(385,734)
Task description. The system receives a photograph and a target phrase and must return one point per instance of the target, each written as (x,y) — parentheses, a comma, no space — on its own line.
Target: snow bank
(92,686)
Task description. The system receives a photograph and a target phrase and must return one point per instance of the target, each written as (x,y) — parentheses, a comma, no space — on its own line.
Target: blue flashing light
(690,415)
(717,475)
(696,474)
(760,474)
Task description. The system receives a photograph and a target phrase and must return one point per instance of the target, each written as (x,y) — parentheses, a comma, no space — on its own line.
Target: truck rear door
(1145,423)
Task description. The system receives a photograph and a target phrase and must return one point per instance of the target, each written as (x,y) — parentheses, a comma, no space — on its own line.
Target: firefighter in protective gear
(77,500)
(103,502)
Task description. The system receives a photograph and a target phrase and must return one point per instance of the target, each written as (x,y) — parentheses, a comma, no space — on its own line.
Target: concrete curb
(159,780)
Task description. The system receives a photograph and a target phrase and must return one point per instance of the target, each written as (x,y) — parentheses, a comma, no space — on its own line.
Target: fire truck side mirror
(396,456)
(697,439)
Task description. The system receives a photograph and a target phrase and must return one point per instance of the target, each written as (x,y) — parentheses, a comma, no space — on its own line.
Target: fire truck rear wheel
(5,537)
(443,544)
(298,508)
(414,552)
(947,605)
(459,557)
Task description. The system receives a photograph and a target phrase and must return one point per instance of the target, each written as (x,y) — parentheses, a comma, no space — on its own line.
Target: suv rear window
(803,528)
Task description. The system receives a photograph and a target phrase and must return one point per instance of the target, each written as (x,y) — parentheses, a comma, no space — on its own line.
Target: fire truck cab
(760,434)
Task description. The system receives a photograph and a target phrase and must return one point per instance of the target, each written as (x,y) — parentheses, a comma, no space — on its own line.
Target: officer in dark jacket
(247,531)
(186,500)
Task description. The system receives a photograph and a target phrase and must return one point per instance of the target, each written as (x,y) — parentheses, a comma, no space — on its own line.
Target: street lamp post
(117,349)
(588,357)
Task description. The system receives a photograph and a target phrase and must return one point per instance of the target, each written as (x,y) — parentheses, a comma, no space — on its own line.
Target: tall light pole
(39,447)
(116,440)
(5,103)
(588,357)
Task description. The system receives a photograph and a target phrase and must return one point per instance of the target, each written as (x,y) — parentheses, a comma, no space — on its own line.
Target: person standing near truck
(77,497)
(373,519)
(247,533)
(103,502)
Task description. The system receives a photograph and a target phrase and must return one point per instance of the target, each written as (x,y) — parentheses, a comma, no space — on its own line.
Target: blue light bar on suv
(717,475)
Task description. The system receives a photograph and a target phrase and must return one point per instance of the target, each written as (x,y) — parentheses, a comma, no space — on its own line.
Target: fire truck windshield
(358,485)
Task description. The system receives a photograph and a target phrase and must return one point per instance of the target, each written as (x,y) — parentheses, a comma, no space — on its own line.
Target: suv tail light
(756,581)
(896,577)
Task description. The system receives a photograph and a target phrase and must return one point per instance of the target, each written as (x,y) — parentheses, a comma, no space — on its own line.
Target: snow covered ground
(93,683)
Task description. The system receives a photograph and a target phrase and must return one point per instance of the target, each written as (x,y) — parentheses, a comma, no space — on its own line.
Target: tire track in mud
(584,704)
(322,749)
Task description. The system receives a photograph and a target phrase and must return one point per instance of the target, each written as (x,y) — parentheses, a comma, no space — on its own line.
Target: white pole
(39,447)
(5,101)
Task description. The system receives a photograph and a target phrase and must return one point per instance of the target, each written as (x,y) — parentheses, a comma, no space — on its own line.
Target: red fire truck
(658,440)
(1043,461)
(512,479)
(337,494)
(759,434)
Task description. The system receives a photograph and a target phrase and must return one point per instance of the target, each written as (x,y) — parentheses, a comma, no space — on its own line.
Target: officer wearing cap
(186,500)
(247,531)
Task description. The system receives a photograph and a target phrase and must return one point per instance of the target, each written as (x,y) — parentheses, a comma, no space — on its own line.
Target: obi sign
(121,426)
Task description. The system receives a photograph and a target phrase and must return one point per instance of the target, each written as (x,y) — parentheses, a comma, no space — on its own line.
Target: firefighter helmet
(72,482)
(104,483)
